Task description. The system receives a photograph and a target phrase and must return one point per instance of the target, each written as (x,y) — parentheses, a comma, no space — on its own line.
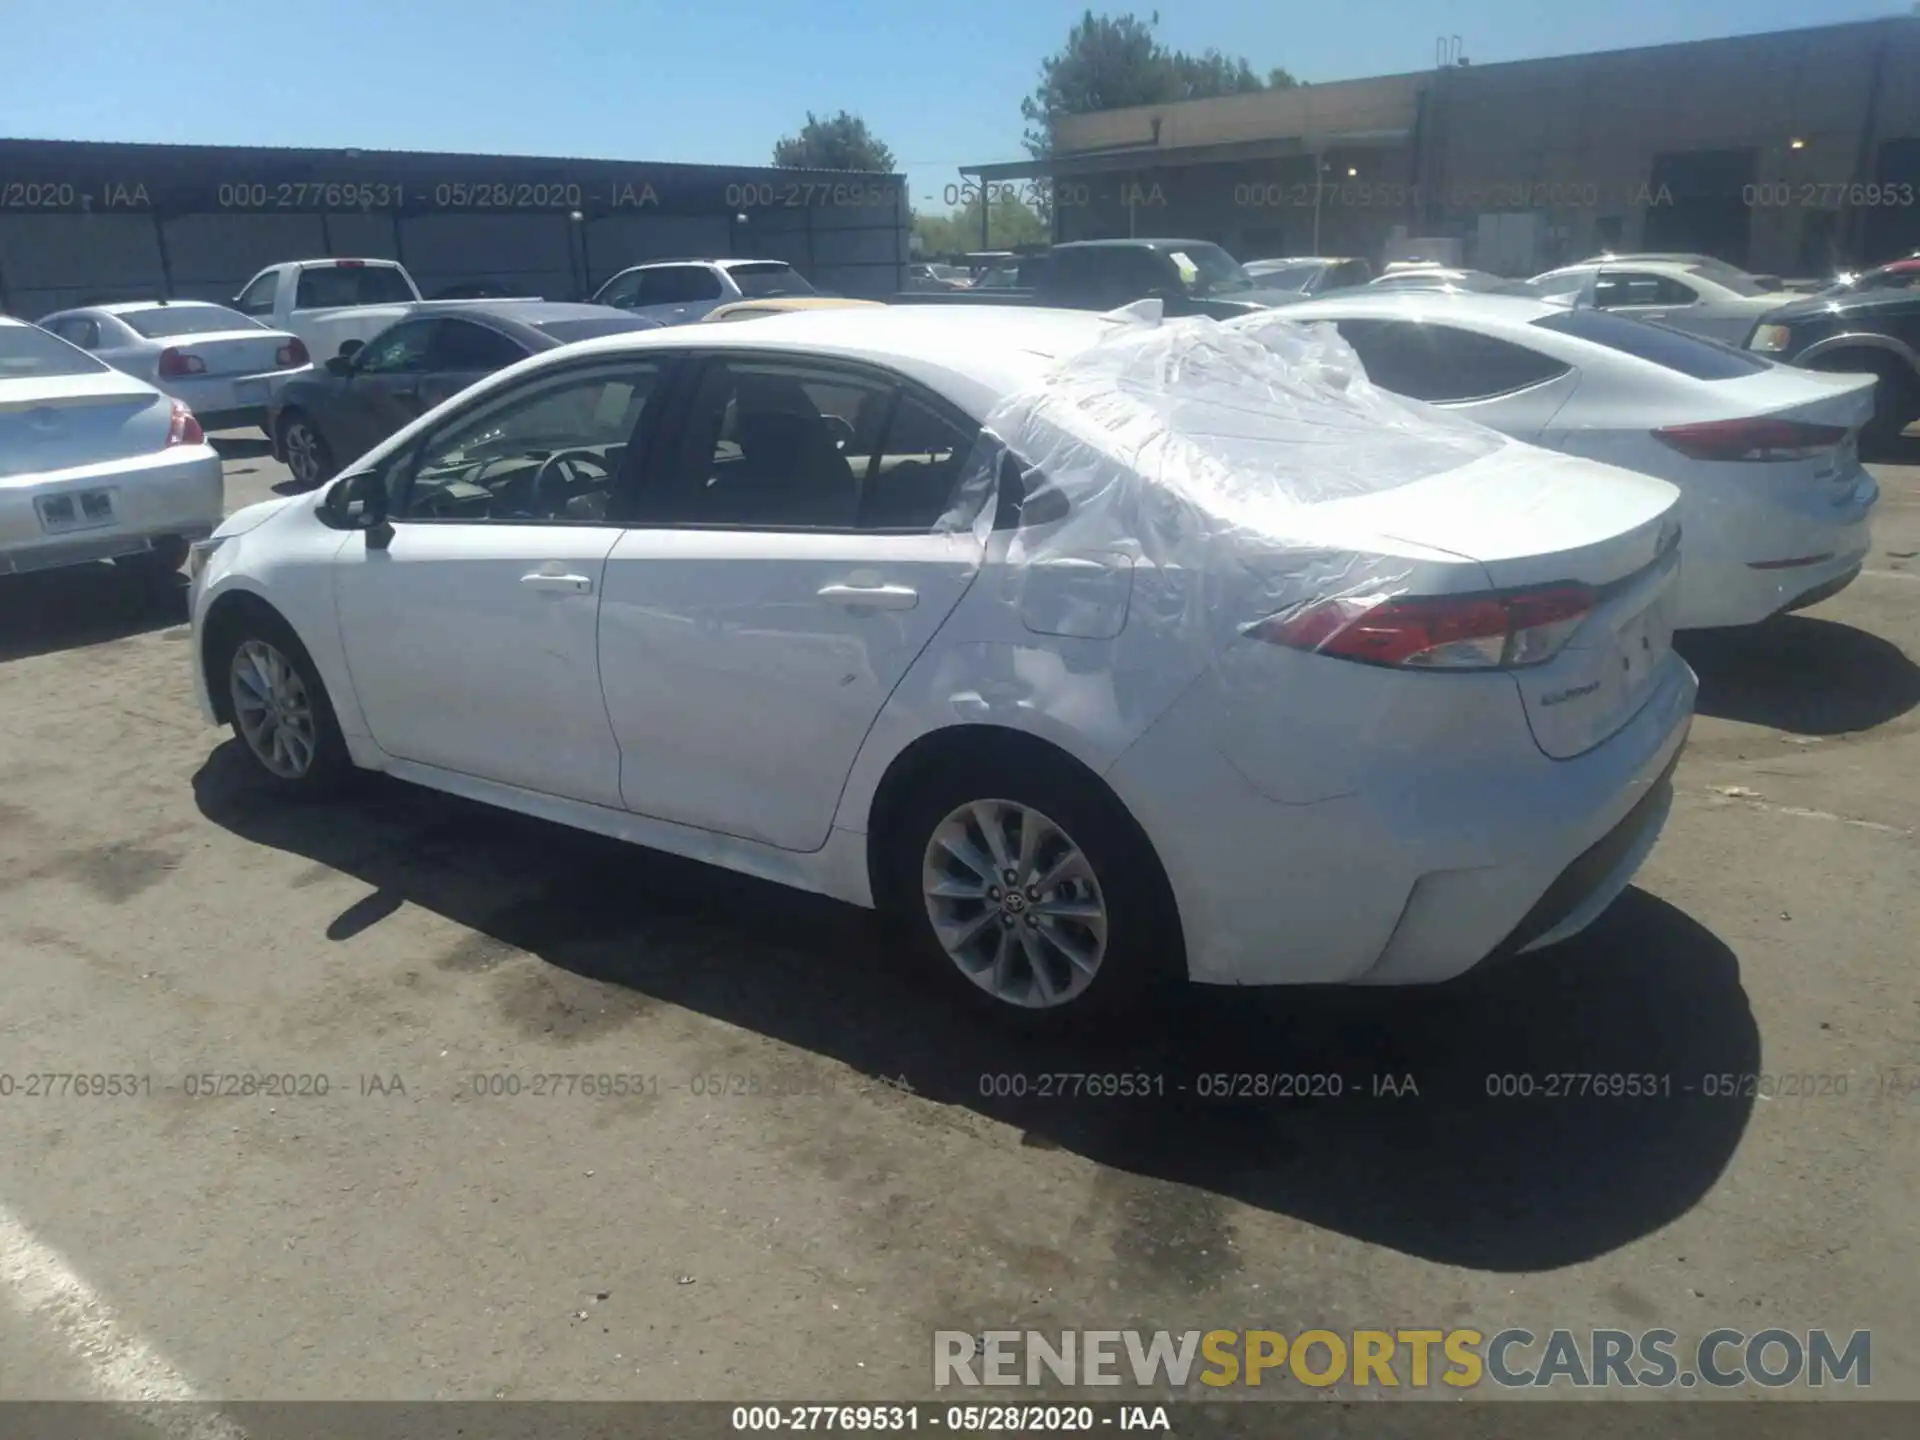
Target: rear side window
(1444,365)
(1659,344)
(188,320)
(767,278)
(351,285)
(920,464)
(29,353)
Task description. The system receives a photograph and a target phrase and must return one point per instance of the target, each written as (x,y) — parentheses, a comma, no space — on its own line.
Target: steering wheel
(570,471)
(841,428)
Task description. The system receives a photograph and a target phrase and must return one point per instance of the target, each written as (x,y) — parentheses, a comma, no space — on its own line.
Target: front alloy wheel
(273,709)
(1015,904)
(306,452)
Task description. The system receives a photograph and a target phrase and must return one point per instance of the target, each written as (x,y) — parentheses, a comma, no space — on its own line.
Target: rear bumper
(175,492)
(1753,560)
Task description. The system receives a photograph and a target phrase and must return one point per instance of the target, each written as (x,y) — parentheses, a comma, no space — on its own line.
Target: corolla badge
(1561,697)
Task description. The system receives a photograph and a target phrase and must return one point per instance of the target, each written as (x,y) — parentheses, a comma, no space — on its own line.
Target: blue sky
(717,81)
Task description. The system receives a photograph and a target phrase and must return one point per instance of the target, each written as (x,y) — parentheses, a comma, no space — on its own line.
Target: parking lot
(811,1171)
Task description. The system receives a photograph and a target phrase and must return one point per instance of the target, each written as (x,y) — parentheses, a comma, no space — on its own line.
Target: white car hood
(251,517)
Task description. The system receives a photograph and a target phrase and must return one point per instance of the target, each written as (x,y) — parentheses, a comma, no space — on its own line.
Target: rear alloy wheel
(1030,888)
(1014,903)
(306,450)
(281,713)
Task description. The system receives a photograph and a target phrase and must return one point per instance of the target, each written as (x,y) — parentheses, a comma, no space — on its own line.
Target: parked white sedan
(1775,506)
(95,464)
(1699,295)
(226,366)
(1094,649)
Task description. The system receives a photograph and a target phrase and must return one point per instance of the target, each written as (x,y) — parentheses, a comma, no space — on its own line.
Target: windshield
(1294,277)
(188,320)
(1737,281)
(1659,344)
(1209,270)
(29,353)
(763,279)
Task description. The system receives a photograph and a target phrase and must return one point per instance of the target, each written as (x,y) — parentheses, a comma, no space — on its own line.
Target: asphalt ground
(816,1173)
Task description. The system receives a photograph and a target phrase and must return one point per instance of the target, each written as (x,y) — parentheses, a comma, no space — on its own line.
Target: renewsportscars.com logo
(1413,1359)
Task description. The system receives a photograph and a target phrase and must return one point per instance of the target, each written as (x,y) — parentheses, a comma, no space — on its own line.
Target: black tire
(1142,950)
(299,436)
(1896,392)
(158,566)
(330,768)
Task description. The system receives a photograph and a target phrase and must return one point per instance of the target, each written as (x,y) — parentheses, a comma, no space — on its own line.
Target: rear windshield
(1737,281)
(768,278)
(568,331)
(29,353)
(188,320)
(1673,349)
(351,285)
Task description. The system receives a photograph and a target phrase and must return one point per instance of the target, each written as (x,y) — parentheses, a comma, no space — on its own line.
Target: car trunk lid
(1533,518)
(60,421)
(234,352)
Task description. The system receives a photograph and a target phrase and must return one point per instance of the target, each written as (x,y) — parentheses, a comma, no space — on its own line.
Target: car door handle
(876,597)
(569,584)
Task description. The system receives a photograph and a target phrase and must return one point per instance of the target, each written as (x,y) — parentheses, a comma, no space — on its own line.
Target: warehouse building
(82,221)
(1785,152)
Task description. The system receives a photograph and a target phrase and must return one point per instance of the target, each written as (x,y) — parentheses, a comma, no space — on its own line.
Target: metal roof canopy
(1143,157)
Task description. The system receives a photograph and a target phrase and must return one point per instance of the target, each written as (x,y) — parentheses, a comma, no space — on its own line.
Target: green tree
(838,142)
(1010,223)
(1111,62)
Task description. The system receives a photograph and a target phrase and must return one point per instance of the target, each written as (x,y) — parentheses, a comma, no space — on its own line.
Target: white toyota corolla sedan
(1093,648)
(1775,506)
(94,464)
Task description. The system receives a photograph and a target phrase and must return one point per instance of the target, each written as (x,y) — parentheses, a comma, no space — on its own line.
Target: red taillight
(1438,632)
(291,354)
(175,363)
(184,429)
(1756,438)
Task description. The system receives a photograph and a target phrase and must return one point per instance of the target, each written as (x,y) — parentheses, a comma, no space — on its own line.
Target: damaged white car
(1097,650)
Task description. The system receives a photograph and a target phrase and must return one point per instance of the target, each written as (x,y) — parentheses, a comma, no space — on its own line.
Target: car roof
(972,354)
(134,307)
(725,262)
(521,312)
(1140,244)
(1389,304)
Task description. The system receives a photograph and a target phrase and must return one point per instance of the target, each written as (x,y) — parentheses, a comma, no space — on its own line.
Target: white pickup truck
(329,302)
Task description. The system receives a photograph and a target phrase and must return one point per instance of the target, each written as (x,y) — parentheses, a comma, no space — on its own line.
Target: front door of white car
(781,572)
(471,635)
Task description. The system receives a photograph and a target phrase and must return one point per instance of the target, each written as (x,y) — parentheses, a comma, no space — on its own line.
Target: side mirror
(350,348)
(359,502)
(339,365)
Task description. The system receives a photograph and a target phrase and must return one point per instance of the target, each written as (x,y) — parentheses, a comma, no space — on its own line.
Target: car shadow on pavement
(241,445)
(1438,1163)
(1802,675)
(84,605)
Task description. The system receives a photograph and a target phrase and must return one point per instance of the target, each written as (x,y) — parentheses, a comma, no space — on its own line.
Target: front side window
(548,452)
(622,290)
(463,346)
(661,285)
(257,298)
(1442,364)
(771,445)
(401,349)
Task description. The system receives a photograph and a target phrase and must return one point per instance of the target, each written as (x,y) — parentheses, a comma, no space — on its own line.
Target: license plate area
(1644,640)
(75,510)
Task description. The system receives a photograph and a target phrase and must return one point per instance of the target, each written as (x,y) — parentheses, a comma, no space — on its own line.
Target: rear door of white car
(472,636)
(1511,388)
(778,577)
